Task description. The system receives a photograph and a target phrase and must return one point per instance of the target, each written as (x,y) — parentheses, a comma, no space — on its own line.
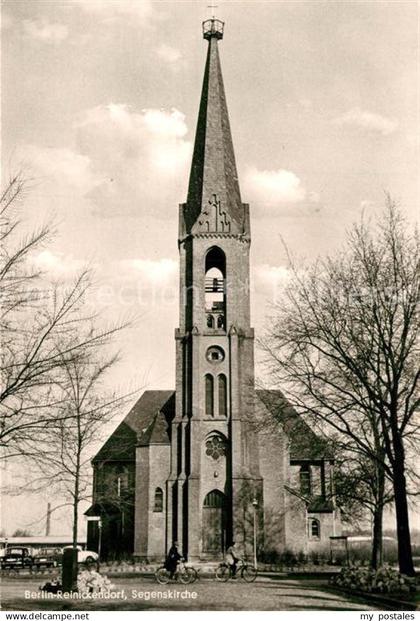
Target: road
(139,593)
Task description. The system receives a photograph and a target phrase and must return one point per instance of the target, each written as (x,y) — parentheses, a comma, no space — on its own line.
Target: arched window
(315,529)
(209,395)
(214,499)
(210,321)
(215,270)
(222,395)
(158,507)
(305,480)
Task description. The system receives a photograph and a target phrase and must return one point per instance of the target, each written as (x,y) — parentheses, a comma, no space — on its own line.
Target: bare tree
(35,315)
(362,490)
(345,346)
(16,277)
(85,408)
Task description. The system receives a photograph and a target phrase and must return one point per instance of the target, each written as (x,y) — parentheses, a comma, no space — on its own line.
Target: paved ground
(144,594)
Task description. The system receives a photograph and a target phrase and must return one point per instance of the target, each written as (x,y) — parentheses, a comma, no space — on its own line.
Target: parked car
(16,558)
(85,556)
(3,546)
(47,557)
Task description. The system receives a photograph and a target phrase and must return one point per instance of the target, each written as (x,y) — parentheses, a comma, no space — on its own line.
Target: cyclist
(172,560)
(232,558)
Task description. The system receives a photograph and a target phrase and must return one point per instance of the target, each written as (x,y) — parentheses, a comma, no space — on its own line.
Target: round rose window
(215,447)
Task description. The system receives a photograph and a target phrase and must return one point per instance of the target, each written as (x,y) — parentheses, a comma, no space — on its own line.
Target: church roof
(148,422)
(305,445)
(213,169)
(157,408)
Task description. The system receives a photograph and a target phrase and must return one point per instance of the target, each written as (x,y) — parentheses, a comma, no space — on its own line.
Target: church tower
(215,460)
(214,457)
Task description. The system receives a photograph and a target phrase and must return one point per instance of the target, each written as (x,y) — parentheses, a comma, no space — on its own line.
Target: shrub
(301,558)
(384,580)
(288,558)
(271,557)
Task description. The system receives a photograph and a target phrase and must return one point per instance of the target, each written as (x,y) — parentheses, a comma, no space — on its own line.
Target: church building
(214,460)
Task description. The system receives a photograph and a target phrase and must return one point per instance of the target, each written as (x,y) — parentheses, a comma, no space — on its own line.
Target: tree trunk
(378,511)
(378,493)
(377,544)
(75,557)
(405,557)
(77,492)
(75,524)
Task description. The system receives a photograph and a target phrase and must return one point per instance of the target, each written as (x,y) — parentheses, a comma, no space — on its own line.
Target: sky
(99,107)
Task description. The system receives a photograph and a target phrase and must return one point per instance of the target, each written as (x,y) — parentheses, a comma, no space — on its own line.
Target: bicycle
(184,574)
(247,572)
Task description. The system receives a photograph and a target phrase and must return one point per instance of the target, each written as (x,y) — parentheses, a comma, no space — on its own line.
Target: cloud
(157,272)
(141,157)
(140,284)
(124,162)
(370,121)
(271,280)
(272,274)
(66,169)
(45,31)
(272,188)
(109,10)
(57,265)
(168,53)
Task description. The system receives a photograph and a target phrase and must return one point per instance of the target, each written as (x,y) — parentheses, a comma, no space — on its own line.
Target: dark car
(47,557)
(16,558)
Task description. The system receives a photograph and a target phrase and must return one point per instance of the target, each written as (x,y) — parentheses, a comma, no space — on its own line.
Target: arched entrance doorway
(214,523)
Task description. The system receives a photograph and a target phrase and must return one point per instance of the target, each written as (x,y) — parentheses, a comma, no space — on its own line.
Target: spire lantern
(213,28)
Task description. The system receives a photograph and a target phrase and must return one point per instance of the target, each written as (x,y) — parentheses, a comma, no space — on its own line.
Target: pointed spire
(213,184)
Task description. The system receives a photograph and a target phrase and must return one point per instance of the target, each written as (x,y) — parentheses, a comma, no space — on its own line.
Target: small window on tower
(209,382)
(222,395)
(158,507)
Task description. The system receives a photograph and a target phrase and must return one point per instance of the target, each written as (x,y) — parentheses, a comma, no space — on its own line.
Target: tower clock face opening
(215,354)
